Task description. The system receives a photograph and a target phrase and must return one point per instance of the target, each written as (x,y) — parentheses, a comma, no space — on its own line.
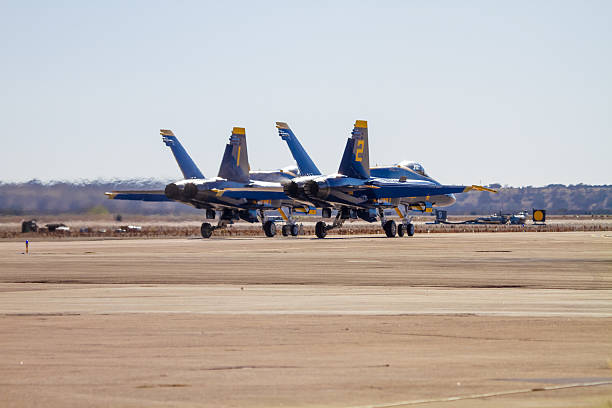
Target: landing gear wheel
(320,230)
(285,230)
(269,228)
(390,228)
(206,229)
(410,229)
(401,229)
(295,230)
(326,212)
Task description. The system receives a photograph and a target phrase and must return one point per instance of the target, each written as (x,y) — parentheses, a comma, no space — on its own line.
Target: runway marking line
(485,395)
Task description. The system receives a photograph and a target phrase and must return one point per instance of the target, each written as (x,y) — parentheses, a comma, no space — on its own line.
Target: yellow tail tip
(166,132)
(361,124)
(238,131)
(282,125)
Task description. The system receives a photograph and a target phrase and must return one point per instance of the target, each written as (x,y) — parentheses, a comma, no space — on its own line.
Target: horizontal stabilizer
(156,195)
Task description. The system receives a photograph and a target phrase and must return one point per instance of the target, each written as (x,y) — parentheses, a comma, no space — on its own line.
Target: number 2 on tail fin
(359,150)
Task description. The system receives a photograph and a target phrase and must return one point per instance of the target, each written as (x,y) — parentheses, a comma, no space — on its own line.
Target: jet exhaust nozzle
(189,191)
(291,189)
(172,191)
(313,189)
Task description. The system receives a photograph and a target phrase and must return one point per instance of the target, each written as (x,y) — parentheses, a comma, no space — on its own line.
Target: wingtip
(110,195)
(480,188)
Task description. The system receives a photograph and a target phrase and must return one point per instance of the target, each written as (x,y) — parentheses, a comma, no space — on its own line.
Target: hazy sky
(516,92)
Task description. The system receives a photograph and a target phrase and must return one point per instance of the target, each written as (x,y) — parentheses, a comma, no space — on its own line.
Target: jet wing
(138,195)
(410,190)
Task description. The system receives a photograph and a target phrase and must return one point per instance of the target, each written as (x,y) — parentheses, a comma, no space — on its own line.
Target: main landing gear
(291,228)
(225,218)
(269,228)
(321,227)
(228,216)
(405,228)
(207,229)
(390,228)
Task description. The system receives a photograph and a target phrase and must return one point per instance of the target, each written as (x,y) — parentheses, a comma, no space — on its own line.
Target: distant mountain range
(35,197)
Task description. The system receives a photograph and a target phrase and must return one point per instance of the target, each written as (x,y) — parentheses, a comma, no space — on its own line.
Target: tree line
(35,197)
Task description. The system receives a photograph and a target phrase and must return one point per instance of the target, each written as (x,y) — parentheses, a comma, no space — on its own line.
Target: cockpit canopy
(414,166)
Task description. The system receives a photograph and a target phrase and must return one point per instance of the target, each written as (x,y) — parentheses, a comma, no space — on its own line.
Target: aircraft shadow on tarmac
(345,237)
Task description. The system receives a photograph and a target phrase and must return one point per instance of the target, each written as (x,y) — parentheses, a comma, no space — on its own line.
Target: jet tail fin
(356,159)
(303,160)
(235,163)
(186,164)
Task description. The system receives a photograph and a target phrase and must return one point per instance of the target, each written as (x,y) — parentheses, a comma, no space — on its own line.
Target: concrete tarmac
(501,319)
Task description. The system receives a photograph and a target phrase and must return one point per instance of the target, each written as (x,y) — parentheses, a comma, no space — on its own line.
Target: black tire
(401,229)
(410,229)
(390,229)
(206,229)
(270,229)
(326,213)
(295,230)
(285,230)
(320,230)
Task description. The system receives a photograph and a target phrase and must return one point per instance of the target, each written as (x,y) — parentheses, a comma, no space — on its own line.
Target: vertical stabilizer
(235,163)
(356,159)
(302,159)
(187,166)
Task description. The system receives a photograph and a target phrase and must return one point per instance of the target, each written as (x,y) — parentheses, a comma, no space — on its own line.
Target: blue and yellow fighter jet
(357,191)
(236,192)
